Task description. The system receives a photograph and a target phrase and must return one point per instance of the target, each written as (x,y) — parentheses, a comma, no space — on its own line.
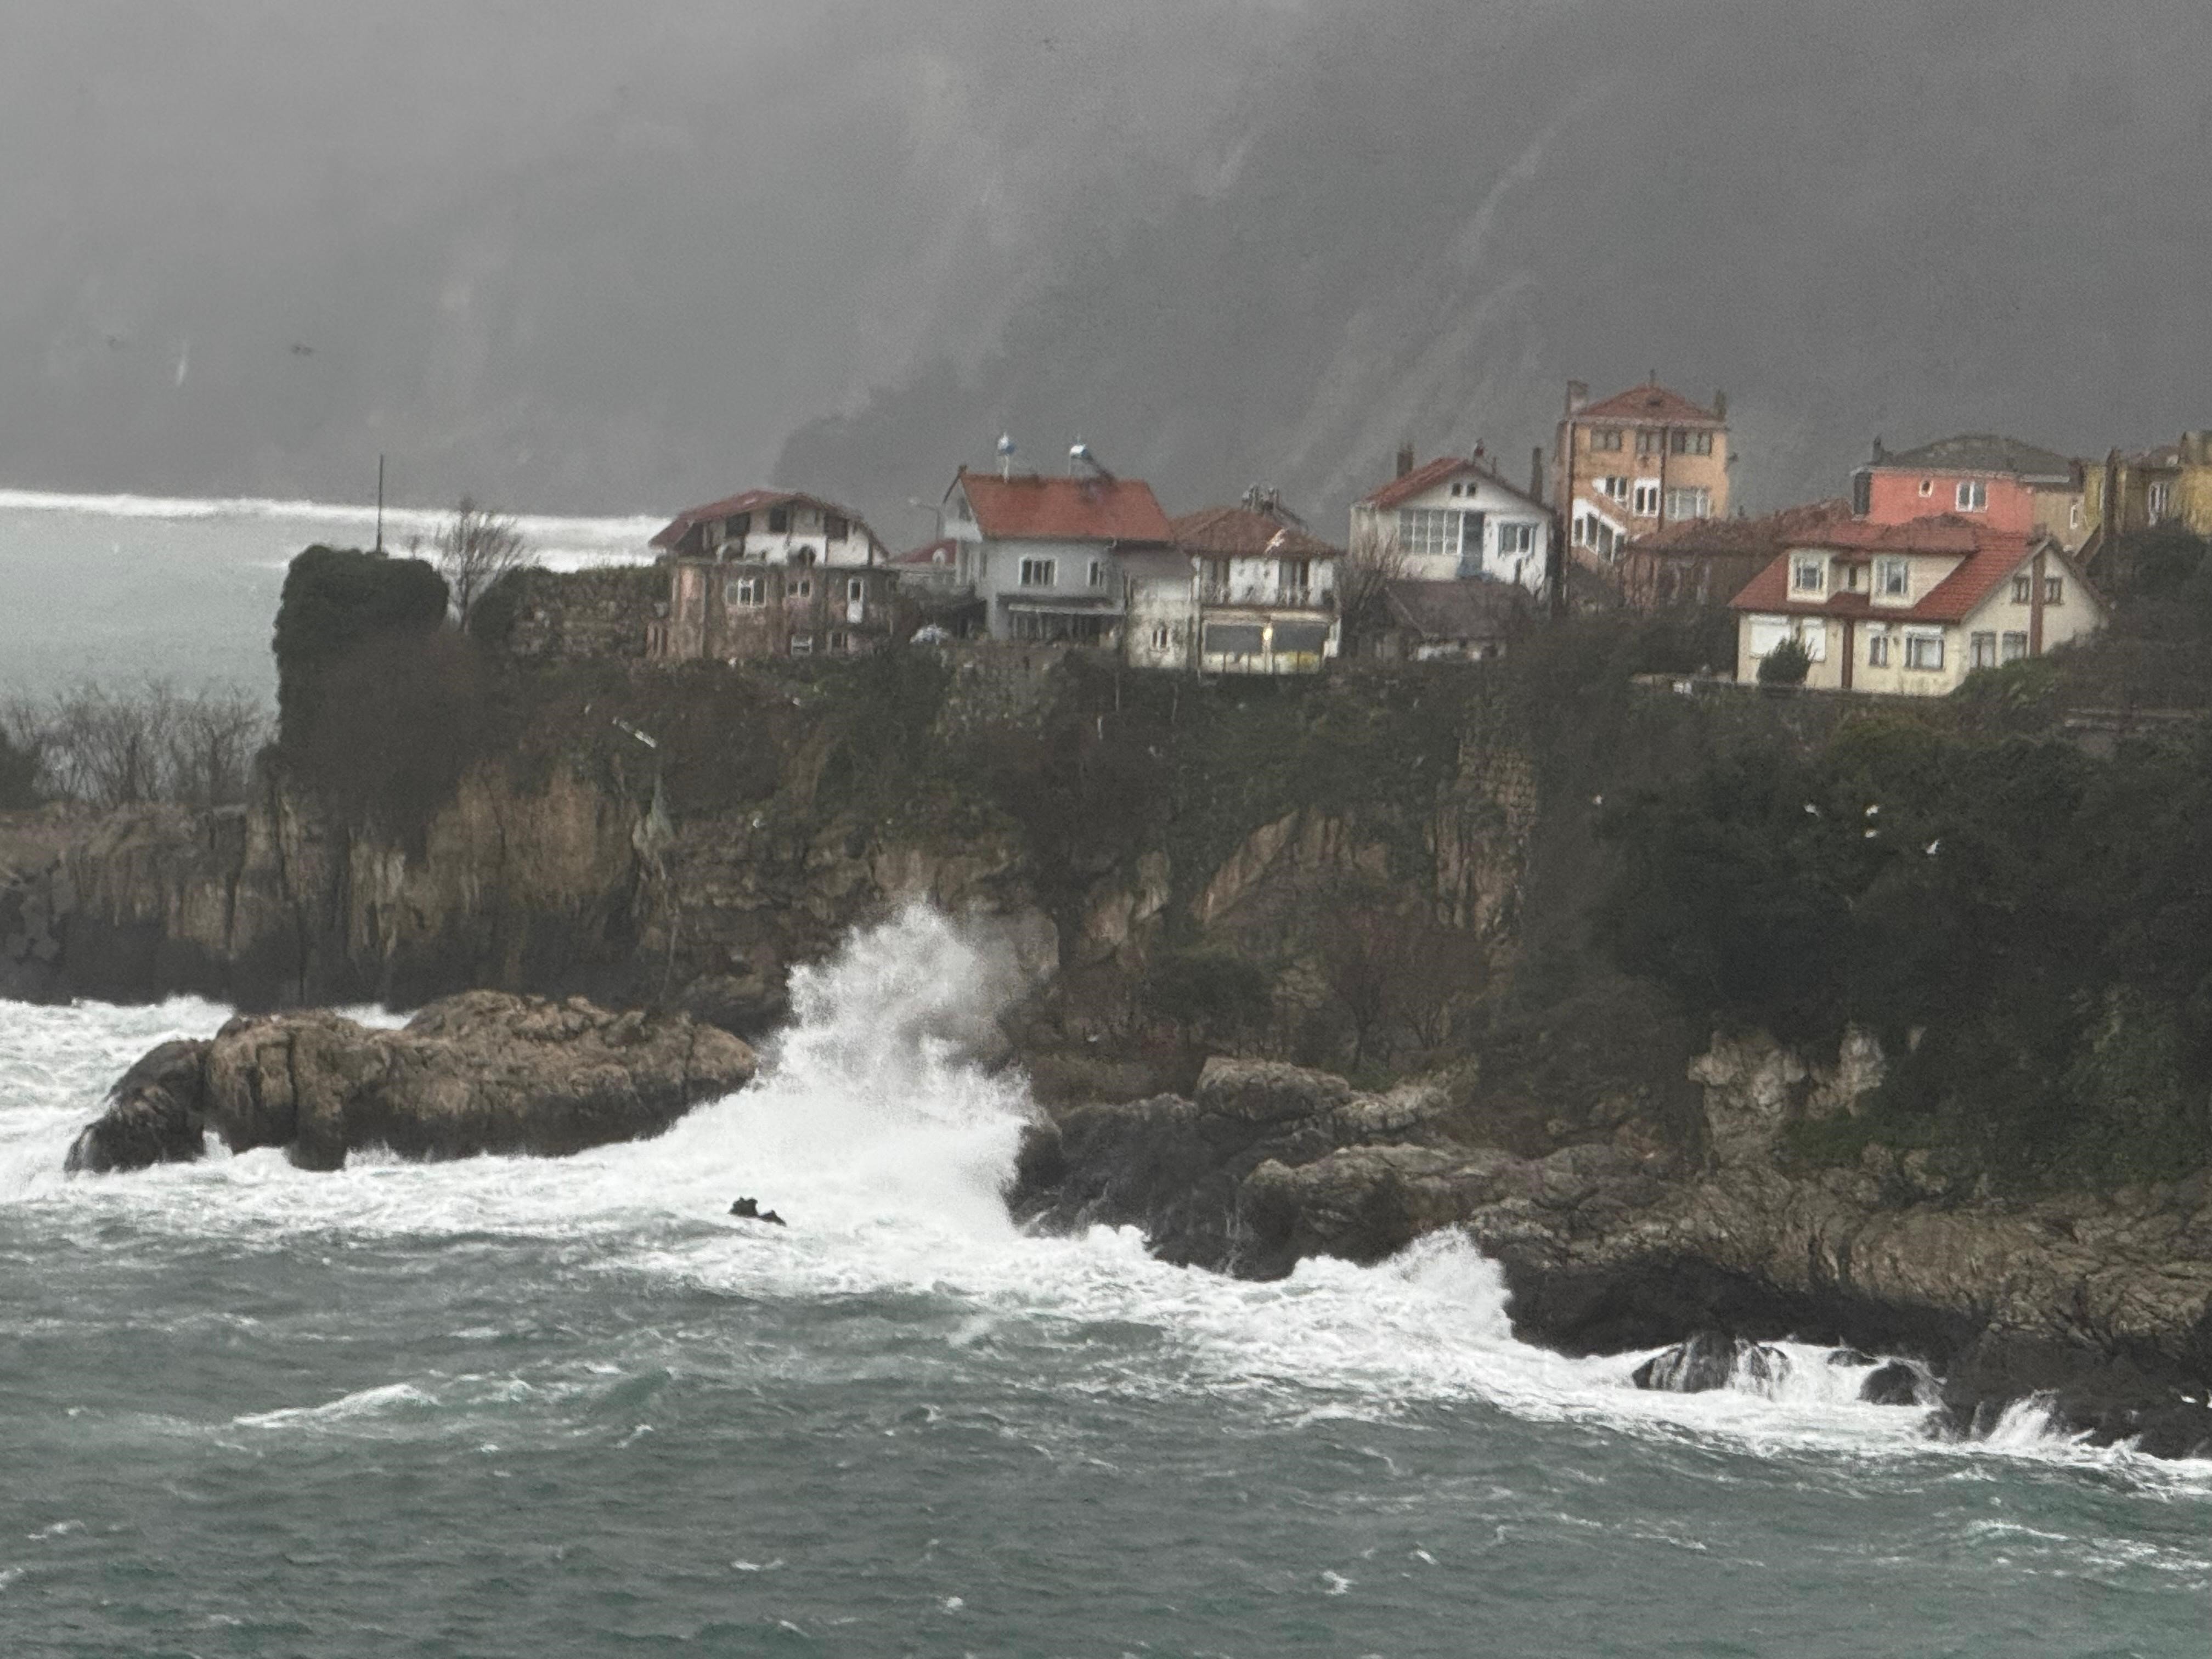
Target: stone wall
(607,613)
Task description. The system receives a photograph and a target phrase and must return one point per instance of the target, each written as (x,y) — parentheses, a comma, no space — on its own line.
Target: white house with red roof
(1912,608)
(1456,520)
(772,573)
(1039,552)
(1245,590)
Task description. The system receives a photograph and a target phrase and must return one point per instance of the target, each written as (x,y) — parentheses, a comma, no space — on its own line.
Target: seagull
(1871,833)
(1874,811)
(1812,811)
(299,351)
(1933,845)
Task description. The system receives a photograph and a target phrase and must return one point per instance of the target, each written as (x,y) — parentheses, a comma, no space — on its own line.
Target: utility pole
(380,501)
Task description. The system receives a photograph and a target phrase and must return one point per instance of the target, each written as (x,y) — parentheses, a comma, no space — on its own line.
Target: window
(2157,499)
(1767,632)
(1928,486)
(779,521)
(856,590)
(1516,536)
(1098,573)
(2015,648)
(1692,443)
(1808,572)
(1973,495)
(1294,575)
(749,591)
(2074,516)
(1851,575)
(803,588)
(1689,503)
(2054,590)
(1161,638)
(2023,589)
(802,645)
(1605,437)
(833,527)
(1893,578)
(738,528)
(1924,651)
(1616,489)
(1981,650)
(802,557)
(1428,532)
(1040,573)
(1878,649)
(1648,442)
(836,642)
(1646,504)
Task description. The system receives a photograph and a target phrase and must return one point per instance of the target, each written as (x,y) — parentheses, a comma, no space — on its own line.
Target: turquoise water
(121,589)
(534,1407)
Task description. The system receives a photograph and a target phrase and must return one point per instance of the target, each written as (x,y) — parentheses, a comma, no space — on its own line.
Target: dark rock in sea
(1713,1359)
(156,1113)
(1892,1384)
(1848,1357)
(2143,1398)
(483,1072)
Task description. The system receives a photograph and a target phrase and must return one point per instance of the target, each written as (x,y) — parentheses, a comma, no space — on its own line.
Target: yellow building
(2171,484)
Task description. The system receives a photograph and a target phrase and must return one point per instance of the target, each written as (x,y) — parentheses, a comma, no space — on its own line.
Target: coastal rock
(1710,1360)
(1895,1383)
(483,1072)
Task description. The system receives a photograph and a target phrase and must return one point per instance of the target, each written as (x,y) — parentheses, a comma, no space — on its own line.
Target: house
(2001,481)
(1911,609)
(1455,520)
(1710,561)
(771,573)
(1245,590)
(931,593)
(1446,621)
(1634,464)
(1039,551)
(2169,485)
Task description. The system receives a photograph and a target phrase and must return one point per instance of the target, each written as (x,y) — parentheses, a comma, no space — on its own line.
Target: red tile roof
(1768,534)
(942,552)
(1443,469)
(1987,557)
(1238,532)
(751,500)
(1029,507)
(1648,403)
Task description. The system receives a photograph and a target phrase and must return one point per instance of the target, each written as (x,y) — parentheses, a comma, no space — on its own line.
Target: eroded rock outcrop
(483,1072)
(2102,1303)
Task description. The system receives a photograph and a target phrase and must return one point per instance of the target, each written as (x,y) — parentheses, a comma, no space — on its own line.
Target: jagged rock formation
(483,1072)
(2105,1303)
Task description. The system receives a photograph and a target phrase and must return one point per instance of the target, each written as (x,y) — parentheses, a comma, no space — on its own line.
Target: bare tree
(1373,561)
(104,748)
(476,548)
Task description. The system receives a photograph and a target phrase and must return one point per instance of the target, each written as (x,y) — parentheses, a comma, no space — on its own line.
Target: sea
(530,1407)
(539,1407)
(119,591)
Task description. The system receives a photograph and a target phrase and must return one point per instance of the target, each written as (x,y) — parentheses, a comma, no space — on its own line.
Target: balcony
(1266,596)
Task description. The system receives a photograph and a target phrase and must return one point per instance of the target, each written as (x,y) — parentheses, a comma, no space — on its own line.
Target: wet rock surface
(2098,1306)
(483,1072)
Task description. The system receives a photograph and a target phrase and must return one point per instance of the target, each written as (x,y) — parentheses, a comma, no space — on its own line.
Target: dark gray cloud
(588,255)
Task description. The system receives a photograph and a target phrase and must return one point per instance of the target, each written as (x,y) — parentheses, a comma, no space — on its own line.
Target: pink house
(2001,484)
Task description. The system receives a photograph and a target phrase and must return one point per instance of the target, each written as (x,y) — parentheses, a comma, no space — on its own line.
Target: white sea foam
(886,1149)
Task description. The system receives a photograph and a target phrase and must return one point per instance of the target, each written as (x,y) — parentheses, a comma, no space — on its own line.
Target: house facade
(772,573)
(1984,476)
(2168,485)
(1243,590)
(1456,520)
(1912,608)
(1039,552)
(1446,621)
(1710,561)
(1635,464)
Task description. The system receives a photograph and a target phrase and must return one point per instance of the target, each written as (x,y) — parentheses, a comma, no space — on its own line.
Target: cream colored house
(1912,608)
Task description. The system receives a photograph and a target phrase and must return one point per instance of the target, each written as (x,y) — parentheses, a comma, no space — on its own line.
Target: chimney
(1478,450)
(1720,405)
(1877,449)
(1536,475)
(1405,459)
(1577,395)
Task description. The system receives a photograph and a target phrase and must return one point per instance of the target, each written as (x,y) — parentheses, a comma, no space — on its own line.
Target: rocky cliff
(2104,1302)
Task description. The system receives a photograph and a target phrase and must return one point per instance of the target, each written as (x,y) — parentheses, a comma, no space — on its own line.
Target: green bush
(1786,664)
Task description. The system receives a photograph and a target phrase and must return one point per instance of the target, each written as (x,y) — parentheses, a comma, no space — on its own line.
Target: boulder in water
(1709,1360)
(483,1072)
(1894,1382)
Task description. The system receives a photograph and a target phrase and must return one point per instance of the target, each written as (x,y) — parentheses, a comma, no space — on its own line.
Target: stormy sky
(602,258)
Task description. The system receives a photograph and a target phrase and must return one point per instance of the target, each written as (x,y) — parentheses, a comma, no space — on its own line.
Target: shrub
(1786,664)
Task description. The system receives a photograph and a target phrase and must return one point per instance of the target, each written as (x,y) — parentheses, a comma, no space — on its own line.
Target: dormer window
(779,521)
(833,527)
(1973,495)
(1809,574)
(1893,578)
